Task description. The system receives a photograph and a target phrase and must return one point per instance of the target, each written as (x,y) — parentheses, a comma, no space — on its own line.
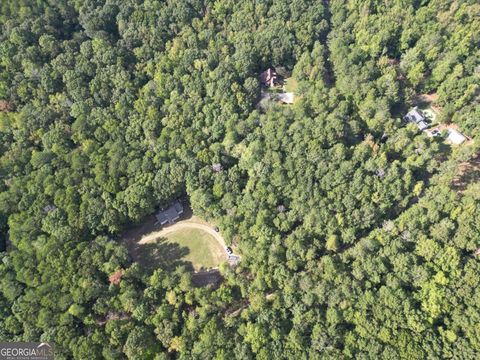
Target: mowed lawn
(192,247)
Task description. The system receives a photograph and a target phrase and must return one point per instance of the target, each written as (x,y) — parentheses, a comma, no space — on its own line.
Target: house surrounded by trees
(170,214)
(270,78)
(416,117)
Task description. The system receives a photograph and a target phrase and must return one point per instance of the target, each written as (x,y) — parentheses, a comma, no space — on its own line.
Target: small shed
(217,167)
(455,137)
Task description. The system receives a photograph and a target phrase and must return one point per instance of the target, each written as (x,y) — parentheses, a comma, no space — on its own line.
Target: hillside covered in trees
(357,232)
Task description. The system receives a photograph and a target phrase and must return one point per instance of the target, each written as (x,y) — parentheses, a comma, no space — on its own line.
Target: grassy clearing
(291,85)
(191,247)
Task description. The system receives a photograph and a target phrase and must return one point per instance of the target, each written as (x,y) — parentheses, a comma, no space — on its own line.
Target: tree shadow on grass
(162,254)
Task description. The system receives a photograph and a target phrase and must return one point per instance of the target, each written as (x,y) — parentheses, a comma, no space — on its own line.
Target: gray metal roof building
(455,137)
(170,214)
(416,117)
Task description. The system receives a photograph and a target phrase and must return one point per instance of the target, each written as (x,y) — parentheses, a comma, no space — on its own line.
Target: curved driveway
(179,226)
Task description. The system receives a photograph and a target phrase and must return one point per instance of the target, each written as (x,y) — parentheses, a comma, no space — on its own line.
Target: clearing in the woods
(190,242)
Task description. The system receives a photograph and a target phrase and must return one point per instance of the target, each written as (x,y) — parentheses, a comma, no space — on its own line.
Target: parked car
(229,250)
(216,229)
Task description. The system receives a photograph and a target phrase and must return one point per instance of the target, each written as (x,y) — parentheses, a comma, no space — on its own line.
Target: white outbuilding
(455,137)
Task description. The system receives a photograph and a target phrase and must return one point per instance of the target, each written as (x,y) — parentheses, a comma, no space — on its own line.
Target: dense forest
(357,238)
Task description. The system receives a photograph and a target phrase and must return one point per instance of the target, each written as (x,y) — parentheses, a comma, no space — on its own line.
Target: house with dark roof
(270,78)
(170,214)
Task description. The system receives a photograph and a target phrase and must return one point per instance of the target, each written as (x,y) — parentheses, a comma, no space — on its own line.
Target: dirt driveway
(192,223)
(138,236)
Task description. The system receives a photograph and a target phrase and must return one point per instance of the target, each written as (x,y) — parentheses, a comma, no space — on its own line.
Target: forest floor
(468,172)
(190,242)
(428,101)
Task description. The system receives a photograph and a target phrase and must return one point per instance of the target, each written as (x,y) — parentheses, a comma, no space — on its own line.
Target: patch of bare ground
(428,100)
(148,244)
(5,106)
(150,229)
(112,315)
(467,173)
(204,278)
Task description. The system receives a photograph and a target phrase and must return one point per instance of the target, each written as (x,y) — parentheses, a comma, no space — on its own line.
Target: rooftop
(455,137)
(286,98)
(414,115)
(269,77)
(170,214)
(422,125)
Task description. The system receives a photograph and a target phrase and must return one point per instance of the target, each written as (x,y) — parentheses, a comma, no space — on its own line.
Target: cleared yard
(190,242)
(190,245)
